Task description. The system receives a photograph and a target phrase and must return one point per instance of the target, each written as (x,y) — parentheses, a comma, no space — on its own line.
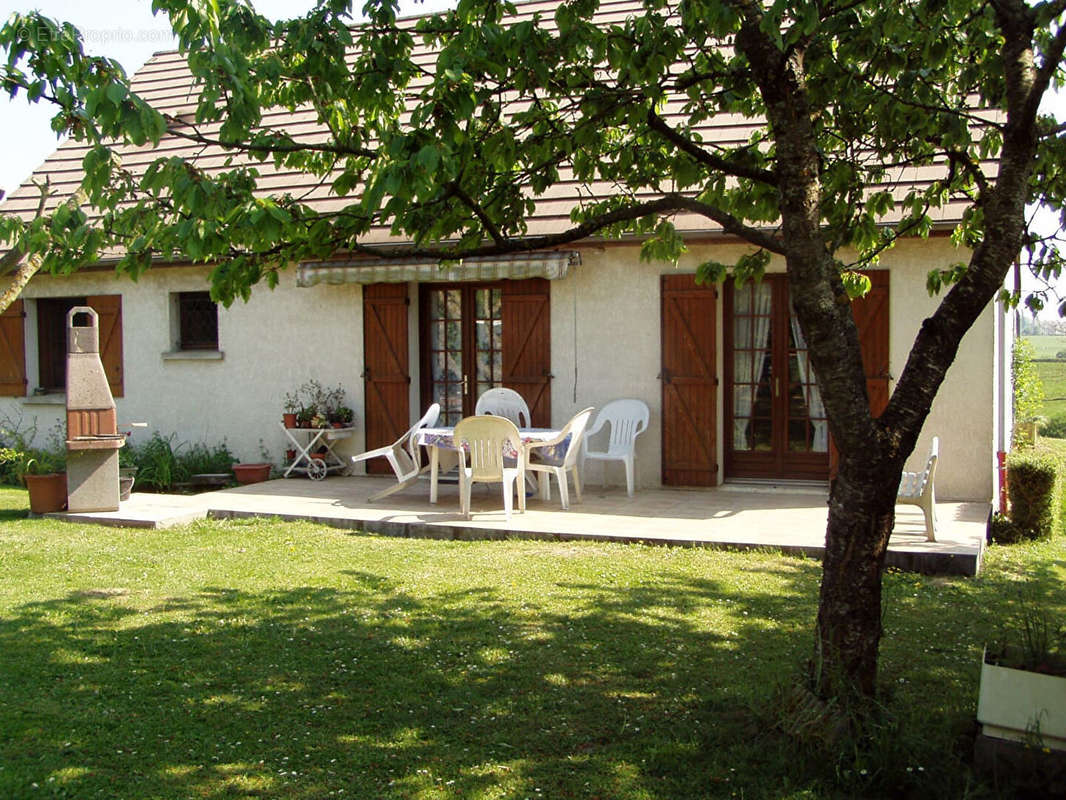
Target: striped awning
(550,264)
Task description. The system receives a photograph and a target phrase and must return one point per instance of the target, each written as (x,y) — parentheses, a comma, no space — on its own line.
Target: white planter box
(1019,705)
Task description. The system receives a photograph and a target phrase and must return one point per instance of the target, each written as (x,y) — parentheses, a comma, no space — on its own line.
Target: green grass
(1047,346)
(273,660)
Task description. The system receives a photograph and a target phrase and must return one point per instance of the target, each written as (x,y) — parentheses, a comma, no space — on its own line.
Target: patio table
(438,439)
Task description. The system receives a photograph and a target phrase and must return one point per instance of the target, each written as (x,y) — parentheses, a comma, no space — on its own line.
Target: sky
(127,31)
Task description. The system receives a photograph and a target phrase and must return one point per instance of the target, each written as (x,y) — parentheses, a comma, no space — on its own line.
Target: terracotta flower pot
(289,420)
(48,493)
(251,473)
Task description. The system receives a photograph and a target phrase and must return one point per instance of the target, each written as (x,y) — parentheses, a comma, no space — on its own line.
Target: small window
(52,341)
(197,321)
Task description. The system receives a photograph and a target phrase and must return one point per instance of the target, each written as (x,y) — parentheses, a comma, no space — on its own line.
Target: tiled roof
(166,83)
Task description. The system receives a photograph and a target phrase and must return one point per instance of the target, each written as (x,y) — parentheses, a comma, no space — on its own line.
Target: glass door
(462,346)
(776,426)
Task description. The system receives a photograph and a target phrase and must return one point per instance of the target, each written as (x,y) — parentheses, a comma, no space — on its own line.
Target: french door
(463,346)
(775,421)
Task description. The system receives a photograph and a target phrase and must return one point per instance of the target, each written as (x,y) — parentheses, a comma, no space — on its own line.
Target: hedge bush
(1032,482)
(1054,428)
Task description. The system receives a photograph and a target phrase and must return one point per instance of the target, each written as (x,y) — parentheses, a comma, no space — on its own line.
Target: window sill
(194,355)
(50,399)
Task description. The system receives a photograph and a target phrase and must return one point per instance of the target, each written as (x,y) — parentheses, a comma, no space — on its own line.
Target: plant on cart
(291,407)
(342,415)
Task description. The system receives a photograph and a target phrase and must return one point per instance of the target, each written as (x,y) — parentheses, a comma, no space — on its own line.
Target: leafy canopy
(450,131)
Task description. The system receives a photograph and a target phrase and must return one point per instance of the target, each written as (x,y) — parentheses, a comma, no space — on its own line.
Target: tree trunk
(861,516)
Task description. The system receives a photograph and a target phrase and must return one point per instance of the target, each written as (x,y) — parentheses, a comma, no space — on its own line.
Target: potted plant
(1022,695)
(305,415)
(342,417)
(292,408)
(44,473)
(252,472)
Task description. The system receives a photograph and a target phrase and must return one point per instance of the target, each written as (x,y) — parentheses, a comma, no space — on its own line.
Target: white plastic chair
(547,466)
(916,489)
(505,403)
(404,455)
(489,443)
(628,419)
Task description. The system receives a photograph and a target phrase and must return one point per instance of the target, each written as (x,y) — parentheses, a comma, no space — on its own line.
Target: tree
(452,156)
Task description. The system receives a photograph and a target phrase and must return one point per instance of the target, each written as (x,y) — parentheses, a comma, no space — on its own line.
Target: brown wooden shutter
(13,351)
(386,371)
(109,309)
(689,382)
(527,345)
(871,318)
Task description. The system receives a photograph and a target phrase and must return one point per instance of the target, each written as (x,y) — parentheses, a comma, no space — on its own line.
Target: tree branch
(658,124)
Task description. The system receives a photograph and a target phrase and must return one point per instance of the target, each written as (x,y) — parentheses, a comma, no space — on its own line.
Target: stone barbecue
(93,440)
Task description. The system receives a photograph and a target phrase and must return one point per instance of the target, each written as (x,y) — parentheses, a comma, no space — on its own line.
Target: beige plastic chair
(489,444)
(504,403)
(916,489)
(404,455)
(539,460)
(628,419)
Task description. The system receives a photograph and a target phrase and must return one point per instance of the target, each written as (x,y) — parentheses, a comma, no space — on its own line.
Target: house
(723,369)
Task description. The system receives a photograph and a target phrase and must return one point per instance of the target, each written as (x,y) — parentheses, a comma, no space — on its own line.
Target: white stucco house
(723,370)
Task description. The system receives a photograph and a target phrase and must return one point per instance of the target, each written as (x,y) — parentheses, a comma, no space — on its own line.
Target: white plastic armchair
(404,455)
(486,447)
(539,460)
(628,419)
(505,403)
(916,488)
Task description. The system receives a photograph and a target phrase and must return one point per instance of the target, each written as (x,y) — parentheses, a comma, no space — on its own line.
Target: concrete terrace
(787,518)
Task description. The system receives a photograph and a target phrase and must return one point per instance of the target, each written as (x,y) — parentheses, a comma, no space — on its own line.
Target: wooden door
(386,375)
(479,336)
(775,422)
(689,382)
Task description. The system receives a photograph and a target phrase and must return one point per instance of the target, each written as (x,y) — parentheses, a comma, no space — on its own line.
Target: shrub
(199,458)
(1054,428)
(1028,390)
(157,465)
(1033,486)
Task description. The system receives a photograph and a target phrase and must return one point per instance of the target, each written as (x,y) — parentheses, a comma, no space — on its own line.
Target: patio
(787,518)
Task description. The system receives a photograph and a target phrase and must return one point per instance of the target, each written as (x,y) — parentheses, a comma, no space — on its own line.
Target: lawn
(287,660)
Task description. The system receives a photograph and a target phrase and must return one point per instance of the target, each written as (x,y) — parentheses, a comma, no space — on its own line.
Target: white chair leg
(508,495)
(577,483)
(544,480)
(629,475)
(464,493)
(929,509)
(564,495)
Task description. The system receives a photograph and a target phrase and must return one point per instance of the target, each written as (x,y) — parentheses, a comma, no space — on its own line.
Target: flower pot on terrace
(1022,706)
(48,493)
(289,420)
(251,473)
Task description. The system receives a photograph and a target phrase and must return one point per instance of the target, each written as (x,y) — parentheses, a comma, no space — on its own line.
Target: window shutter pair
(13,344)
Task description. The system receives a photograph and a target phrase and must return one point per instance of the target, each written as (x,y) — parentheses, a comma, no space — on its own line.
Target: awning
(550,264)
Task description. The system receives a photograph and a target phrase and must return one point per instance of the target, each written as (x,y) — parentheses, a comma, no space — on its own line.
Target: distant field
(1047,346)
(1053,376)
